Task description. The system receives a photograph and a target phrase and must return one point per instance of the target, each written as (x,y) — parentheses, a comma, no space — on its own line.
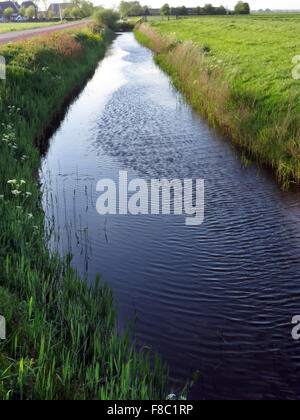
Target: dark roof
(27,4)
(154,11)
(191,10)
(55,6)
(6,4)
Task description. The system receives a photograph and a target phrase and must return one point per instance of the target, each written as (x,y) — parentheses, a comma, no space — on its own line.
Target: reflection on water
(218,298)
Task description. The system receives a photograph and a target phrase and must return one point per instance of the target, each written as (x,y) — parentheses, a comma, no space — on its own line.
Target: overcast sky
(254,4)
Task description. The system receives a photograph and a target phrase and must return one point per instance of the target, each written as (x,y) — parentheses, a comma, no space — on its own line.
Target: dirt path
(30,33)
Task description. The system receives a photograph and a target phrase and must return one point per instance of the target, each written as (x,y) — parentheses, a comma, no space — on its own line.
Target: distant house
(9,4)
(43,14)
(191,11)
(27,4)
(15,6)
(58,8)
(154,12)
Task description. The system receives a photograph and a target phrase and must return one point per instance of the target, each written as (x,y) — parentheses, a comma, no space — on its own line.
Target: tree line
(208,9)
(77,9)
(134,8)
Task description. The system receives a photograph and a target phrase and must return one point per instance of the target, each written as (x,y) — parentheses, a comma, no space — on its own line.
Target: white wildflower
(16,192)
(12,181)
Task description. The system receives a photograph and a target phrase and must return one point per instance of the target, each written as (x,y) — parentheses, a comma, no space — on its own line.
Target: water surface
(217,298)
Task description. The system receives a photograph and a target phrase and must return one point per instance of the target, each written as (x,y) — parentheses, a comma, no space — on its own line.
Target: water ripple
(218,298)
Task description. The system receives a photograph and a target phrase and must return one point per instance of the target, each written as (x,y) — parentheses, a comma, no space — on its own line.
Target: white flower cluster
(9,135)
(16,187)
(18,190)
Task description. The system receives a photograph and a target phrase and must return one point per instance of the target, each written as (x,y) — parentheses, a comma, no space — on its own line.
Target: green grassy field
(249,58)
(14,26)
(258,48)
(61,341)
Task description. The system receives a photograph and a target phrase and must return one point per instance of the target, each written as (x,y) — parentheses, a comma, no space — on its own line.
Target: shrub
(242,8)
(97,29)
(206,48)
(87,38)
(124,26)
(107,18)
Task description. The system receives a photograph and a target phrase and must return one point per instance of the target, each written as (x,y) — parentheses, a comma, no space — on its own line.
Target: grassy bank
(61,336)
(237,71)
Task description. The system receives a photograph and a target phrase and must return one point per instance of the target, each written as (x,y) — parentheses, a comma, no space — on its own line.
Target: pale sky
(254,4)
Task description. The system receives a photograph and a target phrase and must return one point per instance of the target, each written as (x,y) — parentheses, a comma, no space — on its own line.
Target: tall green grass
(61,332)
(237,71)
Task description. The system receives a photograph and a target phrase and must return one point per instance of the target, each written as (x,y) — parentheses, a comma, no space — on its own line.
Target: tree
(30,12)
(66,13)
(131,8)
(124,9)
(87,8)
(242,8)
(107,18)
(75,12)
(165,10)
(8,13)
(146,11)
(221,10)
(45,6)
(209,9)
(22,11)
(135,9)
(75,3)
(198,10)
(183,11)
